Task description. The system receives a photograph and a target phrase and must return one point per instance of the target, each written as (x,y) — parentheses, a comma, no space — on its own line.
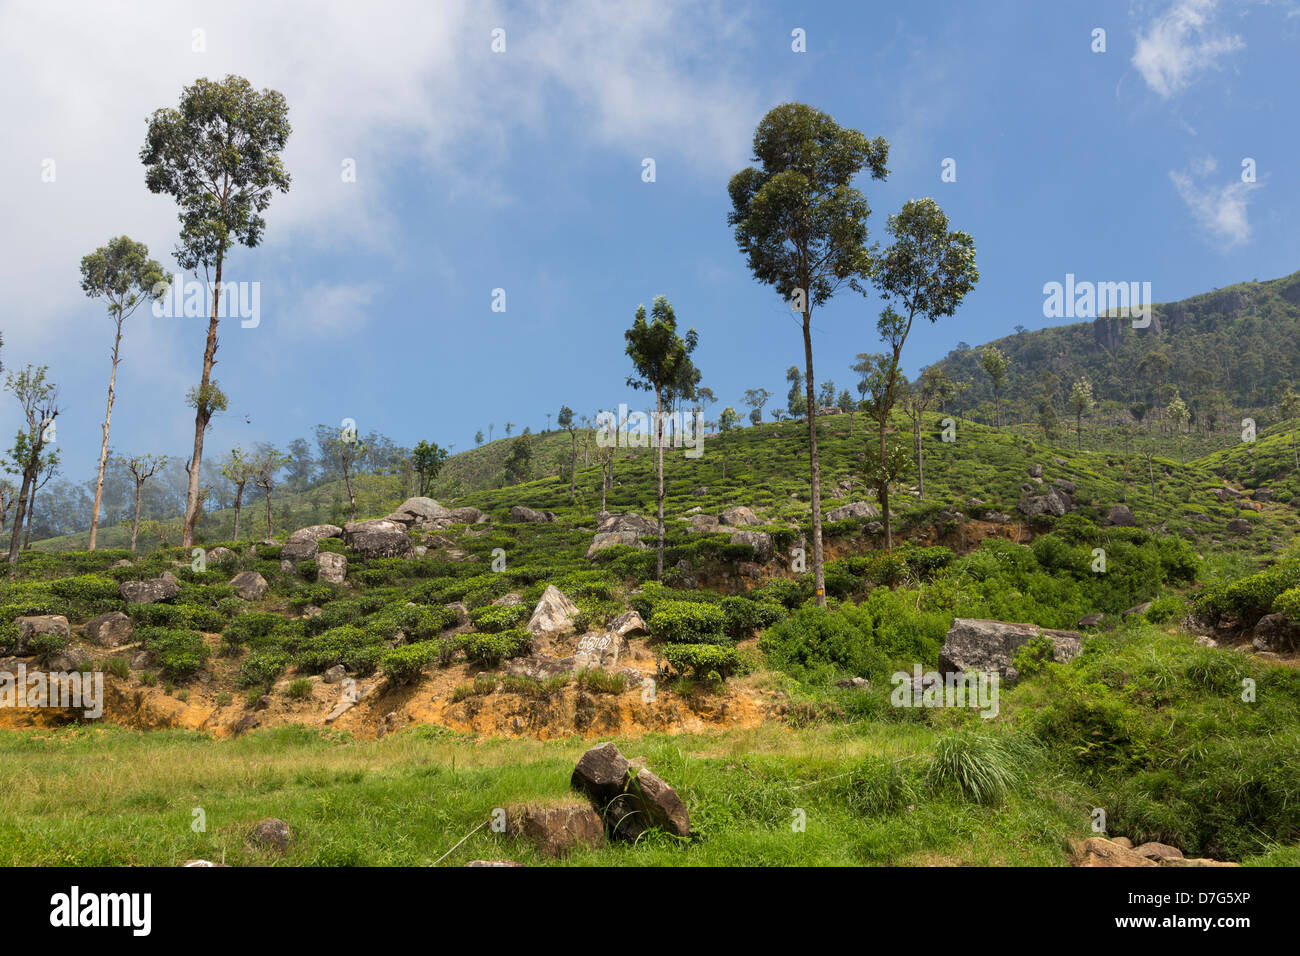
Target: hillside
(1233,350)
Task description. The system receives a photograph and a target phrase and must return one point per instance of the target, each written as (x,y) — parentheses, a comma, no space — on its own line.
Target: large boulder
(1239,526)
(331,567)
(466,515)
(519,514)
(652,803)
(629,622)
(378,538)
(555,614)
(1120,516)
(109,630)
(540,667)
(1274,632)
(1098,851)
(556,831)
(610,523)
(607,539)
(151,591)
(219,555)
(299,549)
(705,523)
(419,513)
(249,585)
(599,649)
(1053,503)
(857,509)
(317,531)
(29,627)
(986,646)
(760,541)
(739,516)
(601,773)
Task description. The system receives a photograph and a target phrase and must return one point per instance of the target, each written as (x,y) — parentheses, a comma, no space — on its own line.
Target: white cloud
(1180,44)
(1220,210)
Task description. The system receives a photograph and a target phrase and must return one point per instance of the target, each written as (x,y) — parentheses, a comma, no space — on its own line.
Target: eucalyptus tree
(218,156)
(661,359)
(238,470)
(1080,403)
(122,274)
(142,468)
(39,399)
(995,364)
(802,226)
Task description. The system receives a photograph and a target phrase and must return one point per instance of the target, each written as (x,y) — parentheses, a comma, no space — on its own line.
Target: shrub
(815,638)
(601,682)
(709,662)
(300,687)
(402,665)
(1162,609)
(688,622)
(118,667)
(743,617)
(45,646)
(179,653)
(980,766)
(350,646)
(499,617)
(262,668)
(89,594)
(489,650)
(250,628)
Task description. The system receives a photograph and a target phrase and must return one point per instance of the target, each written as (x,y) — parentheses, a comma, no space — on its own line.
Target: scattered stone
(1275,633)
(860,683)
(335,674)
(378,538)
(739,516)
(109,630)
(704,523)
(1226,494)
(629,622)
(598,649)
(245,724)
(1098,851)
(556,831)
(271,834)
(263,702)
(650,802)
(421,512)
(858,509)
(519,515)
(978,645)
(1138,610)
(601,773)
(1052,503)
(607,539)
(492,863)
(1091,620)
(760,541)
(249,585)
(610,523)
(1035,471)
(221,555)
(68,660)
(140,661)
(299,549)
(466,515)
(540,667)
(150,591)
(1121,516)
(554,615)
(331,567)
(29,627)
(1239,526)
(1158,851)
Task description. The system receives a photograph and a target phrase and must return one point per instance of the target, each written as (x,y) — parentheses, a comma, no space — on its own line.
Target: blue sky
(522,170)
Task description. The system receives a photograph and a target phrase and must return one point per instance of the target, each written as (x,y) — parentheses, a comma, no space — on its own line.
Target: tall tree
(802,226)
(1080,403)
(122,274)
(218,156)
(49,468)
(266,464)
(847,406)
(796,401)
(565,421)
(238,470)
(925,272)
(658,356)
(882,472)
(1178,415)
(39,399)
(519,461)
(994,364)
(1290,408)
(756,398)
(427,459)
(726,422)
(142,468)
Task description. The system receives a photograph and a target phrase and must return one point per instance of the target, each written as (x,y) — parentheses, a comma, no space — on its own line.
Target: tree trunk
(819,571)
(920,464)
(352,498)
(103,447)
(31,510)
(29,476)
(573,463)
(202,415)
(239,501)
(135,526)
(270,528)
(659,443)
(884,513)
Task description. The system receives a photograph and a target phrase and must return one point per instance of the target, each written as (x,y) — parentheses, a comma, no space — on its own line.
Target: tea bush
(688,622)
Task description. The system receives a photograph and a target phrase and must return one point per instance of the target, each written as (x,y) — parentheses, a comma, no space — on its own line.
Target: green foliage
(499,617)
(356,649)
(980,766)
(262,668)
(45,646)
(688,622)
(178,652)
(1248,599)
(743,617)
(489,650)
(1288,604)
(402,665)
(708,662)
